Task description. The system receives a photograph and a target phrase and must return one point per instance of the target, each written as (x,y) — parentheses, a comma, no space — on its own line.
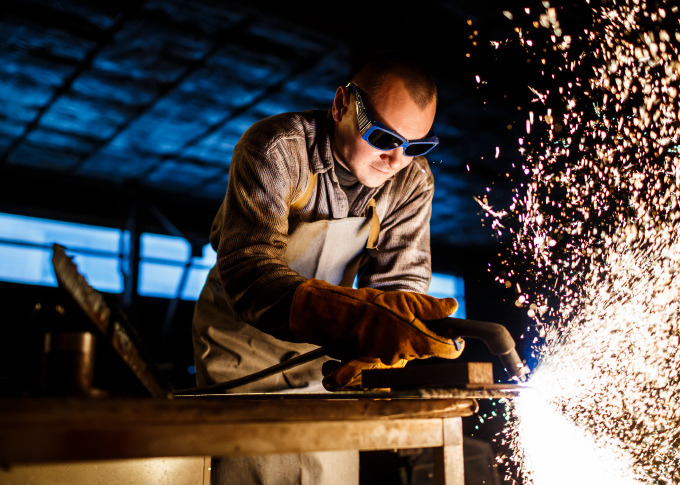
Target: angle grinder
(495,336)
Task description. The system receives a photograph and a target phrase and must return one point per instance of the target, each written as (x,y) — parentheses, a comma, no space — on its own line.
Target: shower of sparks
(595,254)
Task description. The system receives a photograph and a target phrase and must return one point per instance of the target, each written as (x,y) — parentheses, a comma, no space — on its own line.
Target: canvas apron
(226,348)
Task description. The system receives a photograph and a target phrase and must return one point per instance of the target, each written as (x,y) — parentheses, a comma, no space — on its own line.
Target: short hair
(373,74)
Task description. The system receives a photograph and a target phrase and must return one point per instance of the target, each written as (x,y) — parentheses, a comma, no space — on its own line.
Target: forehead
(394,107)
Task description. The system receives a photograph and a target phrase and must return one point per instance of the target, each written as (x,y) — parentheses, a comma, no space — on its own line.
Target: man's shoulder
(268,132)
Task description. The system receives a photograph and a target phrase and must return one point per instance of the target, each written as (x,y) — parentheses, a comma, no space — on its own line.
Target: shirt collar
(323,162)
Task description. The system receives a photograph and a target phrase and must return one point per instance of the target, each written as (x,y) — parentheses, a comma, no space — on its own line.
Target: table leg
(448,459)
(207,469)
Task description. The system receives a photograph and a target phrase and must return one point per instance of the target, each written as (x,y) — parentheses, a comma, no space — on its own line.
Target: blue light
(30,266)
(199,273)
(209,258)
(168,248)
(26,253)
(25,257)
(102,273)
(70,235)
(443,286)
(191,370)
(448,286)
(159,280)
(194,284)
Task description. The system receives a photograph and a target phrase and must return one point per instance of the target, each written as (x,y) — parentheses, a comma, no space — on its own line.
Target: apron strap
(299,204)
(374,233)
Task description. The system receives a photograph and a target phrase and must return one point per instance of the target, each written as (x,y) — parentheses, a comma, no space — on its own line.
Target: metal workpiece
(461,375)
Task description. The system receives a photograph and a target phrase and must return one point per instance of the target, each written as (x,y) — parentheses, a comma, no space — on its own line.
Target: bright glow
(559,453)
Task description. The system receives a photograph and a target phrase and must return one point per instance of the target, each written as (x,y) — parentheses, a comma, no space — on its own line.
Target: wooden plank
(47,412)
(443,375)
(26,444)
(149,471)
(448,459)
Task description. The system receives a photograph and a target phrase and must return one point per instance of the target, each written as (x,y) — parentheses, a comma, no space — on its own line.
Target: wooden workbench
(61,430)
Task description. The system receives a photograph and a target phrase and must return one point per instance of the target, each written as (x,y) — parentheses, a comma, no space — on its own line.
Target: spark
(489,209)
(596,244)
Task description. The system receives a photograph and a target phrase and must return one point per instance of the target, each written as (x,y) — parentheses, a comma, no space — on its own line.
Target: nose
(395,158)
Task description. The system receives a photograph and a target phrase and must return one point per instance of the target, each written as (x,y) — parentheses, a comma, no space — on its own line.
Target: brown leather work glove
(346,376)
(372,323)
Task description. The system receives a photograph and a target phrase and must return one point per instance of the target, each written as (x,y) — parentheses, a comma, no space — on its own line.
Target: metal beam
(68,82)
(131,249)
(300,69)
(170,312)
(221,40)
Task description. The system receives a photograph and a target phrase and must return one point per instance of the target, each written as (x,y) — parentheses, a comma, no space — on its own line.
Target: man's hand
(375,325)
(346,376)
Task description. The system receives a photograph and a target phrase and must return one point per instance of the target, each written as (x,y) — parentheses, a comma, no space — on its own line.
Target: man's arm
(402,261)
(257,282)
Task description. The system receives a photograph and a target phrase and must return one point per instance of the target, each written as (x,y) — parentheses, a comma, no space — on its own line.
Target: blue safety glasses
(381,137)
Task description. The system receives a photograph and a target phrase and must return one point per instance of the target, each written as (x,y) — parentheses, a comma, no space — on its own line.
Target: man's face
(393,108)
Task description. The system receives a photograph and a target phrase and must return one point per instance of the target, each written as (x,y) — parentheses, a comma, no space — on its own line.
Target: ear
(340,103)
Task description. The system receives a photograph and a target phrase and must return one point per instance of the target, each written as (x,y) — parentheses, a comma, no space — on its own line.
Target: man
(312,198)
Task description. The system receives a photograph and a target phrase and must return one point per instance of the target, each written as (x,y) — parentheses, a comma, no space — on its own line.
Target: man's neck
(336,152)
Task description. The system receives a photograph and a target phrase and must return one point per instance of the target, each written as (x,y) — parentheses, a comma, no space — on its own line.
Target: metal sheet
(112,325)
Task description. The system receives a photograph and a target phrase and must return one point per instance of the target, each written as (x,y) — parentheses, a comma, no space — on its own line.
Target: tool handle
(495,336)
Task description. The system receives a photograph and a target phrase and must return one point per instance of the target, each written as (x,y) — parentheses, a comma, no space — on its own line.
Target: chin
(374,180)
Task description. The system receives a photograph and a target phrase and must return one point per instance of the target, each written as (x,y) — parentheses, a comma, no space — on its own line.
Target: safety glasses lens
(418,149)
(383,140)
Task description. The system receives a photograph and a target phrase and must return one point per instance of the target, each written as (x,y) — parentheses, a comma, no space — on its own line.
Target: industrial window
(26,252)
(444,286)
(448,286)
(166,268)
